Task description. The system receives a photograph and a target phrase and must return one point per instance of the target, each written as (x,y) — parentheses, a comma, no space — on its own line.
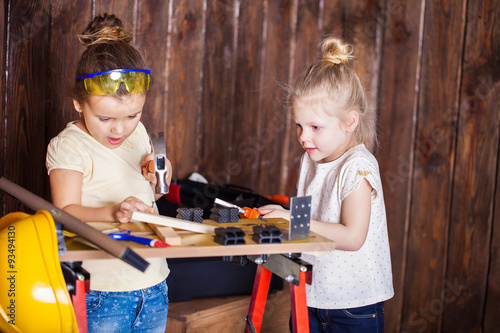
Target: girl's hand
(148,170)
(274,211)
(131,204)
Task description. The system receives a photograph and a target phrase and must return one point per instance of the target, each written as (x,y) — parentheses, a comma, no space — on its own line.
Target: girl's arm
(350,233)
(66,190)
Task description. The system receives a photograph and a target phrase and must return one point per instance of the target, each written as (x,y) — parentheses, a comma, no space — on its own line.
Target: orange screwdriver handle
(251,213)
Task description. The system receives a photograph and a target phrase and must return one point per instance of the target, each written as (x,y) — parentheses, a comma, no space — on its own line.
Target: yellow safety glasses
(108,82)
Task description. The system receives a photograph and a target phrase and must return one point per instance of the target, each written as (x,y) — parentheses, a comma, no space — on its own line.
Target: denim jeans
(143,310)
(368,318)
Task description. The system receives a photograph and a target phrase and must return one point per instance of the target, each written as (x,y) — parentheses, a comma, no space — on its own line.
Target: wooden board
(227,314)
(167,221)
(203,245)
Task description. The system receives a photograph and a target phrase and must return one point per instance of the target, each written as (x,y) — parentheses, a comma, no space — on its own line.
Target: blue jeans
(143,310)
(368,318)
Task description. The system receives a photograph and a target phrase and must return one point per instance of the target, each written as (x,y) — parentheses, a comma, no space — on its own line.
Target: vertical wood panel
(333,17)
(399,74)
(274,119)
(124,9)
(492,310)
(184,81)
(475,173)
(362,28)
(217,103)
(3,40)
(304,50)
(151,40)
(438,99)
(245,148)
(69,19)
(26,96)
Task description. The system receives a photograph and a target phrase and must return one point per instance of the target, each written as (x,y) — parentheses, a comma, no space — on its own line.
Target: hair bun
(104,29)
(336,51)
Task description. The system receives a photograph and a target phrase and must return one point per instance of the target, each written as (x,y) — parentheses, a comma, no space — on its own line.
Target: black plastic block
(224,215)
(229,236)
(266,235)
(190,214)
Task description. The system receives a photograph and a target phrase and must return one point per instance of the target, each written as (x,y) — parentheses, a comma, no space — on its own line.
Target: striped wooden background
(432,70)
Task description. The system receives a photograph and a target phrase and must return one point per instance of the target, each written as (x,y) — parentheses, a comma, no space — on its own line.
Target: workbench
(197,244)
(271,258)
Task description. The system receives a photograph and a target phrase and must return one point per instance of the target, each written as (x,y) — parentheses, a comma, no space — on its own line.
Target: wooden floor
(226,314)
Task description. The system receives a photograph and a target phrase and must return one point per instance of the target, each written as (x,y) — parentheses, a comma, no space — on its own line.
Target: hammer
(160,162)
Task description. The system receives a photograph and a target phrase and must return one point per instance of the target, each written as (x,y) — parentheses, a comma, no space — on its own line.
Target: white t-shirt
(347,279)
(109,177)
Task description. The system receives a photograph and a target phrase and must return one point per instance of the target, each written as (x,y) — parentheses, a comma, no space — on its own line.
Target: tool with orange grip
(247,212)
(159,164)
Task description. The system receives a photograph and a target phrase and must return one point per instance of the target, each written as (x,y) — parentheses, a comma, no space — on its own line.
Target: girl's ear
(352,121)
(78,106)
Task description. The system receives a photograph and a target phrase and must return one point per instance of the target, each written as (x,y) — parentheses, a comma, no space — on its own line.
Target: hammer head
(160,160)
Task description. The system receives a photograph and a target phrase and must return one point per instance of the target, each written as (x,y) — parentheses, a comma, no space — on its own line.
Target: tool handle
(150,166)
(251,213)
(74,225)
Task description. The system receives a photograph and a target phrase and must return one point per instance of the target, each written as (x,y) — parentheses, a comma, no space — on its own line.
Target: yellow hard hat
(33,293)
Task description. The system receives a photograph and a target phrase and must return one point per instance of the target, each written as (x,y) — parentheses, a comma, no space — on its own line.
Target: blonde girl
(337,129)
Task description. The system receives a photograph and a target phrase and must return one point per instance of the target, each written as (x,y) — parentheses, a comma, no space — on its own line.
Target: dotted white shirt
(347,279)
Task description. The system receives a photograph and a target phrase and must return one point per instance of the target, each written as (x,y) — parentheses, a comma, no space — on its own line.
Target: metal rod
(74,225)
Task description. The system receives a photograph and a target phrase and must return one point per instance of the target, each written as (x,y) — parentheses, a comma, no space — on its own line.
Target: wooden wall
(432,71)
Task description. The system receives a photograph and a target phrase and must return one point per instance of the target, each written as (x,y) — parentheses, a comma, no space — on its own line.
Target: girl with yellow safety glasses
(96,171)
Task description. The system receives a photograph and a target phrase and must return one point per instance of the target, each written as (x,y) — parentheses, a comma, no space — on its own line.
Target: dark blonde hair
(332,76)
(108,47)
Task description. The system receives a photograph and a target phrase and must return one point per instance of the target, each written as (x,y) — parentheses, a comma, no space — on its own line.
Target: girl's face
(324,137)
(111,120)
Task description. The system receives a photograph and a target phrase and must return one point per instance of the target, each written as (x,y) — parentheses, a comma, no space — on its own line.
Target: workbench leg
(79,306)
(298,302)
(258,300)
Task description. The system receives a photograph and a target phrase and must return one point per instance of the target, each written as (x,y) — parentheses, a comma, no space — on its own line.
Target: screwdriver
(247,212)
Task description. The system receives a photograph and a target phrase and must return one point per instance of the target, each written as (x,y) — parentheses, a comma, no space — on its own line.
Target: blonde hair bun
(104,29)
(336,51)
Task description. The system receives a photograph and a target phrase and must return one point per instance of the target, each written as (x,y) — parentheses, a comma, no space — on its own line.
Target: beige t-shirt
(109,177)
(347,279)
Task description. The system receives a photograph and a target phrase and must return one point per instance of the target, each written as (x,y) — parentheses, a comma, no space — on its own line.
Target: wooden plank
(492,306)
(123,9)
(172,222)
(333,17)
(273,111)
(304,49)
(3,92)
(68,20)
(26,97)
(363,28)
(166,234)
(214,314)
(245,149)
(215,162)
(401,49)
(435,148)
(151,32)
(184,81)
(475,174)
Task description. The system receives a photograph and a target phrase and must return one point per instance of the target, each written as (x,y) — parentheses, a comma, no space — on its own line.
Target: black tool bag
(200,195)
(220,276)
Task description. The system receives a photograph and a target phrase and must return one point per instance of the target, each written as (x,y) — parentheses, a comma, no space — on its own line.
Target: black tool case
(212,276)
